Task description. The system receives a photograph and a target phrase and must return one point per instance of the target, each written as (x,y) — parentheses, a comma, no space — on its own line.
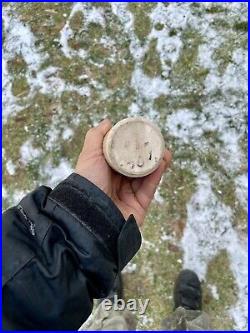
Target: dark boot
(187,291)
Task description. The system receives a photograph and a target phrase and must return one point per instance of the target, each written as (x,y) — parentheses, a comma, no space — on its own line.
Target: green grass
(187,65)
(224,54)
(152,62)
(226,289)
(76,21)
(142,24)
(241,26)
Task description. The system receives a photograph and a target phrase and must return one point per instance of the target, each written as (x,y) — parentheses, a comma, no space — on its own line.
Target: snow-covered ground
(202,53)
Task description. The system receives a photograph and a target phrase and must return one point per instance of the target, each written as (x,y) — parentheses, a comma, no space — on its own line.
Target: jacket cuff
(97,212)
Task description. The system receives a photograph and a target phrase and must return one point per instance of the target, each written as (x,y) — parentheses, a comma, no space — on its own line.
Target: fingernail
(106,121)
(103,119)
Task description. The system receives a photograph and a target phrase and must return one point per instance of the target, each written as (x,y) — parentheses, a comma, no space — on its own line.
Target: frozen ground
(183,65)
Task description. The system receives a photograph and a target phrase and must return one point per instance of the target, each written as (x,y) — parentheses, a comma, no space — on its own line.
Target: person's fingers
(94,137)
(148,187)
(104,126)
(146,191)
(136,184)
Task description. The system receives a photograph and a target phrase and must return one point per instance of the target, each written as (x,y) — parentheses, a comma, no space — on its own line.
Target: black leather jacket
(62,249)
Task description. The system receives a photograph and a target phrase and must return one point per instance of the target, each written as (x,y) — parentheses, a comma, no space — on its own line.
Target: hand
(131,195)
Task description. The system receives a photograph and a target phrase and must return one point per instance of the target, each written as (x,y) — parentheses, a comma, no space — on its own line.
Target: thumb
(94,137)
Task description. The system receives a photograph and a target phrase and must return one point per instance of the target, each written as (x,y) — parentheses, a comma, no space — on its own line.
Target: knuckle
(90,132)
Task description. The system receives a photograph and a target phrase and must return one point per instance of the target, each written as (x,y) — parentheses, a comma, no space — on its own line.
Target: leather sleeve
(61,249)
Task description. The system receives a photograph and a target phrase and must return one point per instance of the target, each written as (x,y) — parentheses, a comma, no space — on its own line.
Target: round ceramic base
(134,147)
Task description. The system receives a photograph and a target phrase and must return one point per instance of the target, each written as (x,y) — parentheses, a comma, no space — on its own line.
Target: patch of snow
(53,136)
(148,88)
(205,54)
(17,196)
(204,223)
(145,320)
(4,192)
(28,152)
(52,175)
(168,48)
(20,41)
(189,127)
(240,57)
(234,78)
(212,82)
(95,15)
(90,15)
(11,168)
(82,90)
(238,251)
(214,291)
(133,110)
(127,19)
(236,74)
(231,155)
(8,99)
(185,125)
(66,33)
(107,41)
(174,16)
(158,198)
(165,237)
(147,244)
(67,133)
(48,82)
(130,268)
(241,184)
(171,17)
(105,93)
